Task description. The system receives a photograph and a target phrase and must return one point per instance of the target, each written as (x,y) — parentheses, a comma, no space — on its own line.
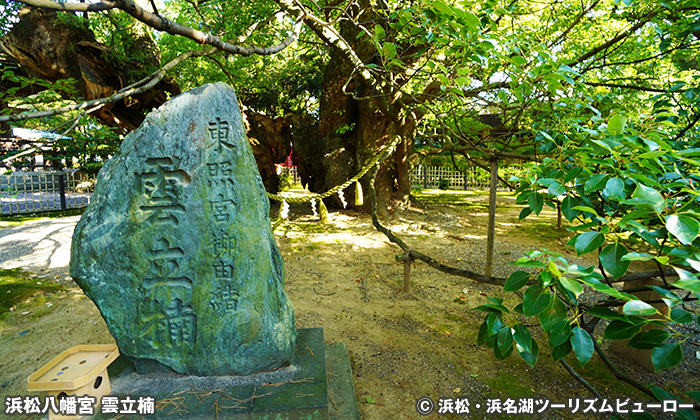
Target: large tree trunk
(271,142)
(350,132)
(57,49)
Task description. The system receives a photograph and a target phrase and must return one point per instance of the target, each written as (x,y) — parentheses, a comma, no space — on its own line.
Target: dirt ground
(343,277)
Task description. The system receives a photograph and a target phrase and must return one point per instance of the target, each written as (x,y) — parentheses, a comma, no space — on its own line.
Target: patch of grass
(505,383)
(17,287)
(471,200)
(598,375)
(544,230)
(309,247)
(455,318)
(23,218)
(313,246)
(311,228)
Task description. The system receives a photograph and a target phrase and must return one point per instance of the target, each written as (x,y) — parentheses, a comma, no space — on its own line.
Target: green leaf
(684,228)
(535,202)
(587,209)
(492,309)
(666,356)
(560,333)
(556,189)
(516,281)
(527,262)
(545,278)
(603,145)
(572,285)
(692,285)
(638,308)
(647,340)
(614,189)
(495,300)
(535,300)
(368,400)
(595,183)
(604,288)
(611,259)
(554,313)
(645,197)
(637,256)
(390,50)
(567,208)
(606,313)
(531,356)
(494,323)
(522,337)
(560,351)
(616,124)
(379,31)
(572,174)
(694,395)
(636,215)
(662,394)
(518,60)
(681,316)
(670,298)
(588,241)
(442,8)
(504,343)
(524,213)
(582,344)
(483,333)
(621,330)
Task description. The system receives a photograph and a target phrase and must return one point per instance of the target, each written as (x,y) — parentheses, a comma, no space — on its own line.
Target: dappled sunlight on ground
(41,245)
(343,277)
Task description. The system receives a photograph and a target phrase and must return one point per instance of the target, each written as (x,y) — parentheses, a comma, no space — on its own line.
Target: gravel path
(41,246)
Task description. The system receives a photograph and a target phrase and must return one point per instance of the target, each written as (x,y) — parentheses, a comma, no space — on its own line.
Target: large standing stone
(176,248)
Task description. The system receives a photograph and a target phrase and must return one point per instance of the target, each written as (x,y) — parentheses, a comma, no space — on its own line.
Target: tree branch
(163,24)
(578,377)
(618,373)
(420,256)
(132,89)
(576,21)
(632,87)
(615,40)
(71,7)
(689,126)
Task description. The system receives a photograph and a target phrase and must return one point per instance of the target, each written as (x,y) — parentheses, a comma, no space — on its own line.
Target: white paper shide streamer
(284,212)
(342,198)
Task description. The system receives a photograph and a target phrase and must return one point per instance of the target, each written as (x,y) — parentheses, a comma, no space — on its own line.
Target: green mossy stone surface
(300,391)
(176,248)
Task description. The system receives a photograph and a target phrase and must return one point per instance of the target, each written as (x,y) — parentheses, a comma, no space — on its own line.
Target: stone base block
(317,385)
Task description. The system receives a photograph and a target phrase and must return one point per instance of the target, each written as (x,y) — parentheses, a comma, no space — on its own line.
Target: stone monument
(176,248)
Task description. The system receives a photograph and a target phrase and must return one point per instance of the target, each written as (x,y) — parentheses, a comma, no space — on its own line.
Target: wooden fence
(474,178)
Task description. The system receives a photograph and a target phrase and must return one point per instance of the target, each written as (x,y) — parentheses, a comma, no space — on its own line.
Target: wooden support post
(558,215)
(407,277)
(490,238)
(407,259)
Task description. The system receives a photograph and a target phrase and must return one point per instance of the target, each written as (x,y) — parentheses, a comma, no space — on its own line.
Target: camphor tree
(624,170)
(590,92)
